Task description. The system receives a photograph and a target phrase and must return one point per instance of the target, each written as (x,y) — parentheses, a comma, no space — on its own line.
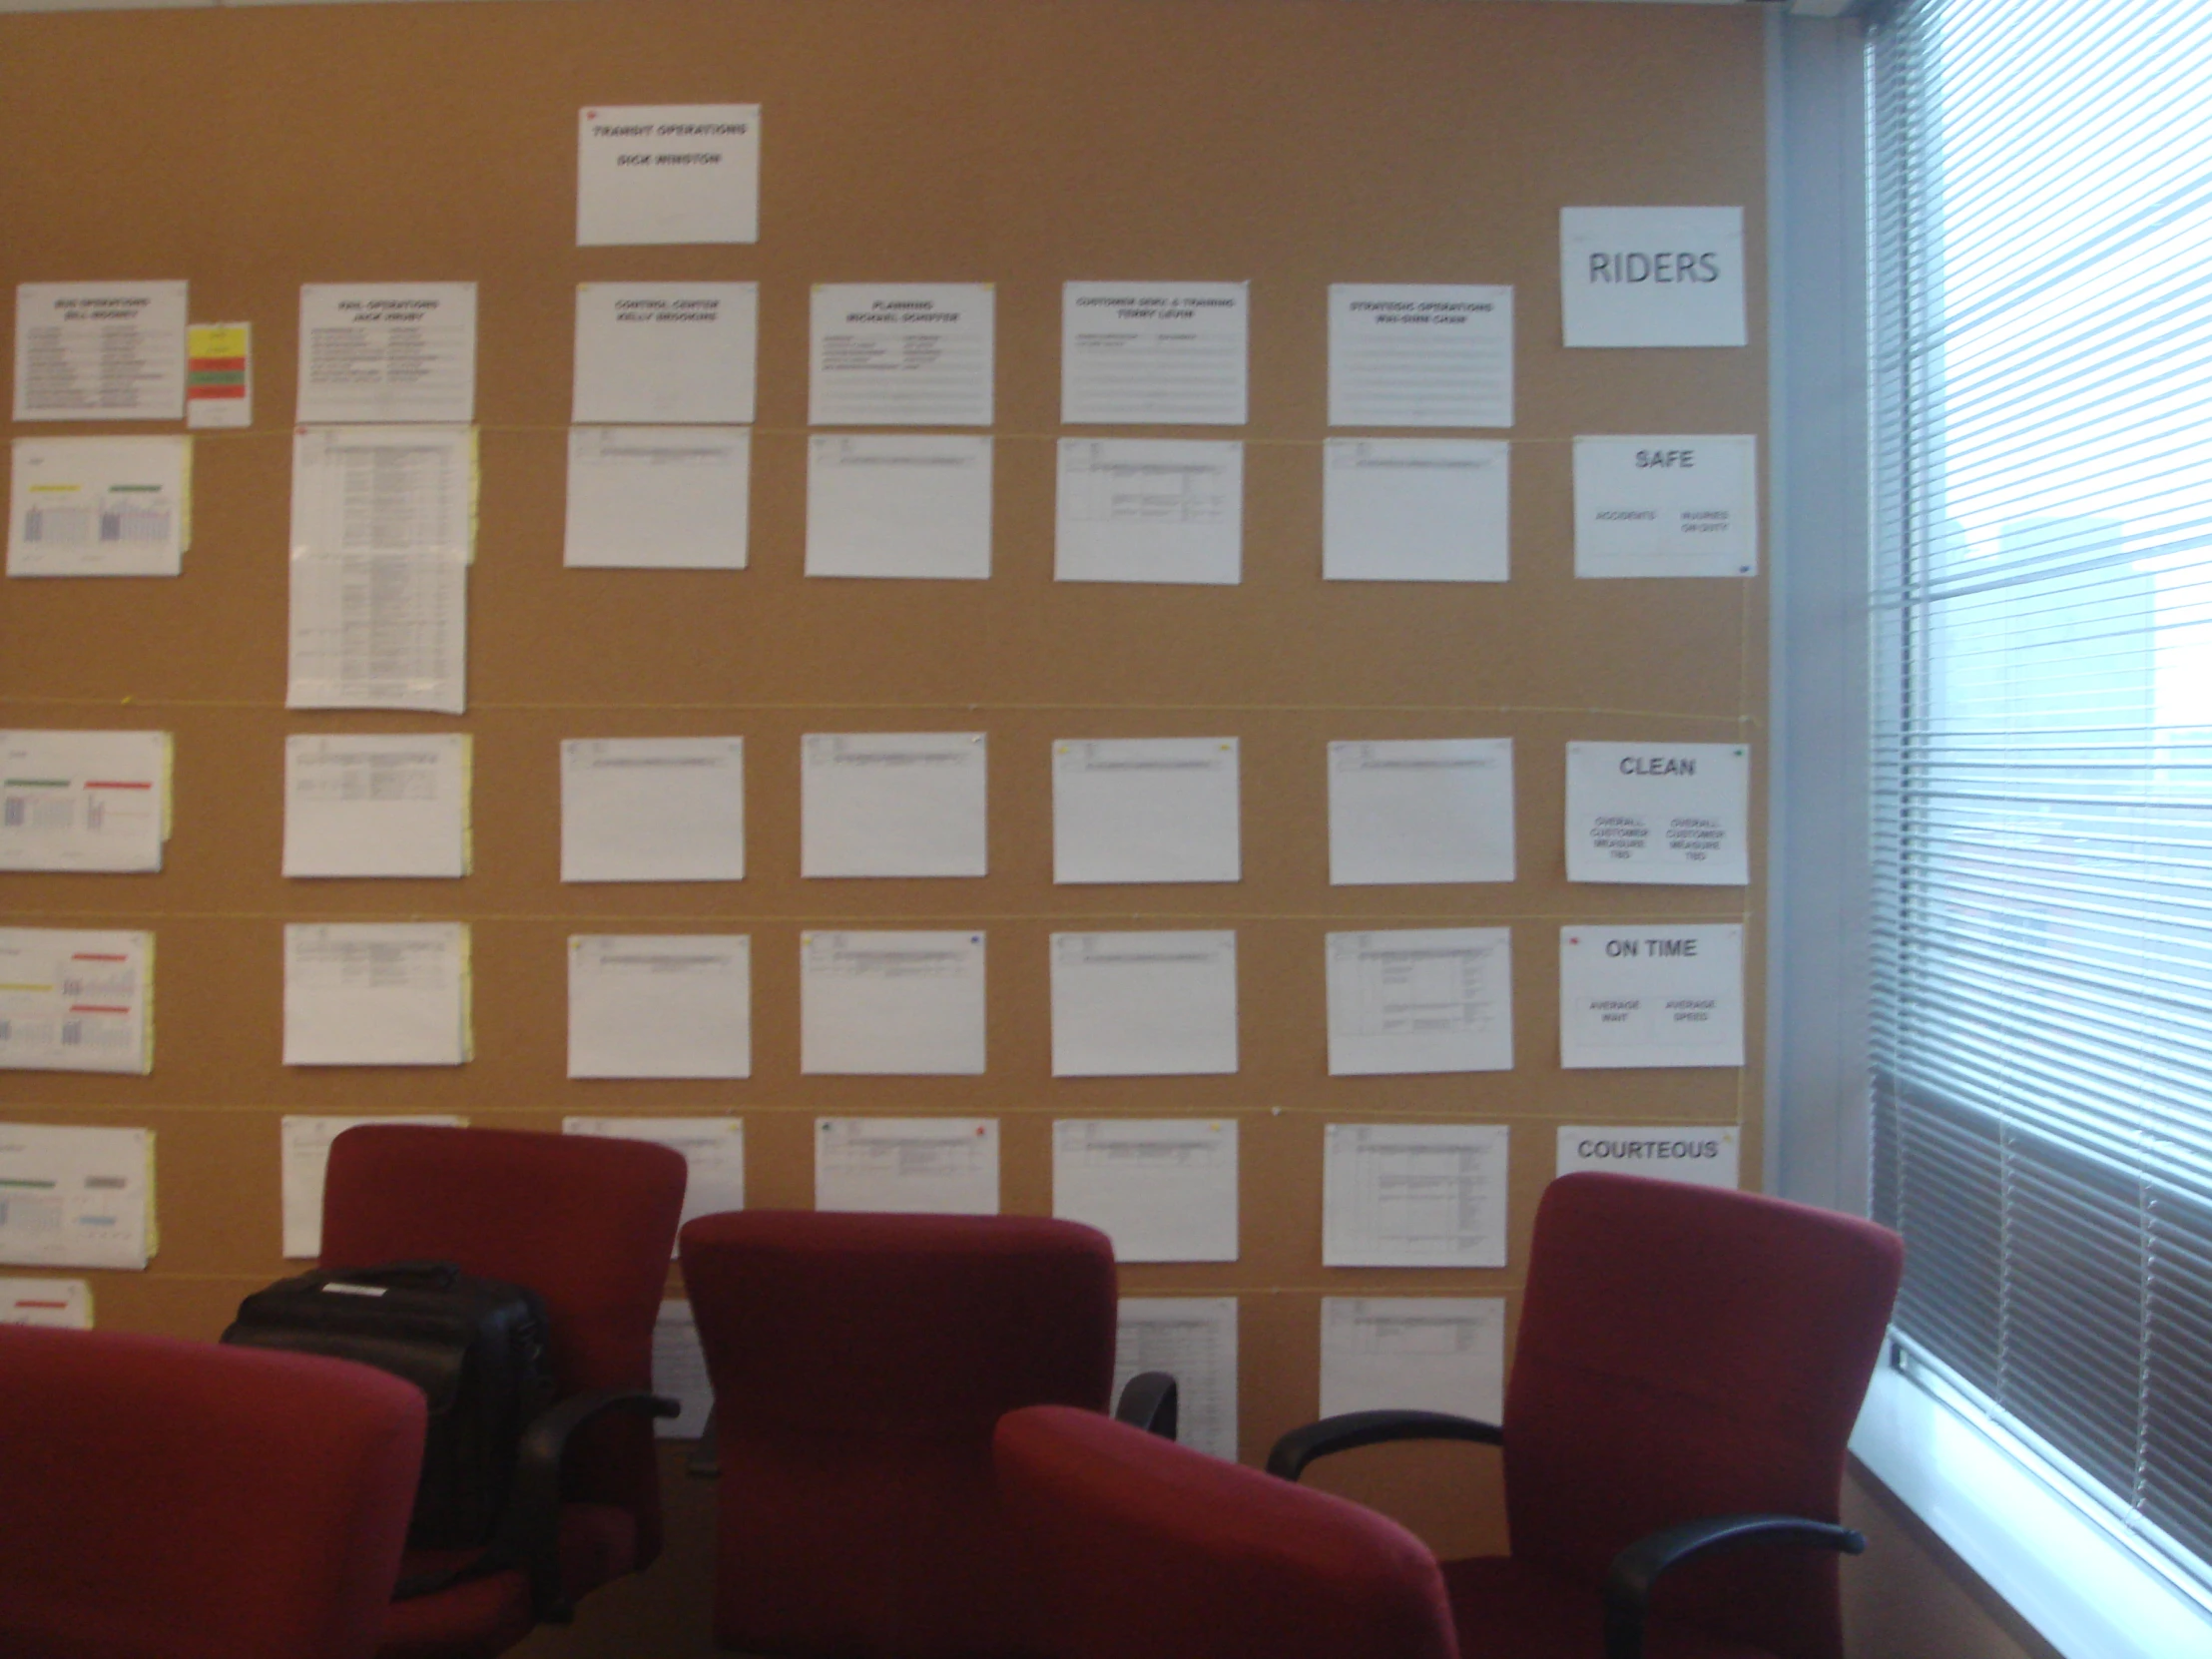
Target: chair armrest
(1637,1568)
(705,1461)
(529,1532)
(1356,1428)
(1148,1401)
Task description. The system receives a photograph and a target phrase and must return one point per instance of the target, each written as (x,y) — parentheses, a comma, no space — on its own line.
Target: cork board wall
(1288,143)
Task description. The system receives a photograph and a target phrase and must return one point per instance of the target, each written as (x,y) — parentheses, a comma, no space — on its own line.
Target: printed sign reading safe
(1665,506)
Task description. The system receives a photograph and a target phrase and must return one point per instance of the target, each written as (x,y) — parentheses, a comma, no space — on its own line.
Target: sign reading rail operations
(1652,275)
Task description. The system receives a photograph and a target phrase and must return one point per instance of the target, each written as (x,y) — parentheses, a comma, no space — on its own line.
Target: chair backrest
(860,1364)
(1687,1352)
(165,1499)
(1147,1547)
(585,1221)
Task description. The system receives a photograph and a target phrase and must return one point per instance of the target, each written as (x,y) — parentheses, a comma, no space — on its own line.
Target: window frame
(2086,1593)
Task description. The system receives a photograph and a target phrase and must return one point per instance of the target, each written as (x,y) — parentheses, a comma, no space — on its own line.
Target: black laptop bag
(476,1348)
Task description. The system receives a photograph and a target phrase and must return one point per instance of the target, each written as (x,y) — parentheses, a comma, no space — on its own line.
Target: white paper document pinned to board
(75,1198)
(651,808)
(99,506)
(357,805)
(377,994)
(663,174)
(1674,813)
(1413,1195)
(1419,354)
(892,804)
(1414,510)
(901,354)
(666,353)
(383,523)
(1150,510)
(1163,1189)
(1154,354)
(307,1160)
(712,1149)
(908,1166)
(56,1303)
(1700,1153)
(387,351)
(658,497)
(1425,809)
(379,631)
(92,801)
(76,1002)
(1145,810)
(660,1006)
(1652,275)
(100,350)
(1413,1353)
(1194,1340)
(906,1003)
(680,1372)
(1659,994)
(1153,1004)
(1666,506)
(1420,999)
(384,490)
(899,505)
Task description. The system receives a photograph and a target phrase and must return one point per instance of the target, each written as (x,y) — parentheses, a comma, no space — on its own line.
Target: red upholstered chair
(1688,1367)
(1148,1550)
(860,1363)
(587,1222)
(163,1500)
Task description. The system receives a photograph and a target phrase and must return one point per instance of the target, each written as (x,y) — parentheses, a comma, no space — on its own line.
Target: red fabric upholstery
(860,1363)
(585,1221)
(487,1616)
(1147,1548)
(161,1500)
(1683,1353)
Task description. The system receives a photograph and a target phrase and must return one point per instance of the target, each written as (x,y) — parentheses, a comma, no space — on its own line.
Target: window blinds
(2042,753)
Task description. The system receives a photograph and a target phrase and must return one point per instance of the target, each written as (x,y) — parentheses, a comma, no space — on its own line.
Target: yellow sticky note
(216,340)
(468,804)
(469,996)
(152,1209)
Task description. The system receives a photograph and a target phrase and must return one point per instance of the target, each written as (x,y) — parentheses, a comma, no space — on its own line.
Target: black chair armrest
(529,1532)
(1148,1401)
(705,1461)
(1356,1428)
(1636,1569)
